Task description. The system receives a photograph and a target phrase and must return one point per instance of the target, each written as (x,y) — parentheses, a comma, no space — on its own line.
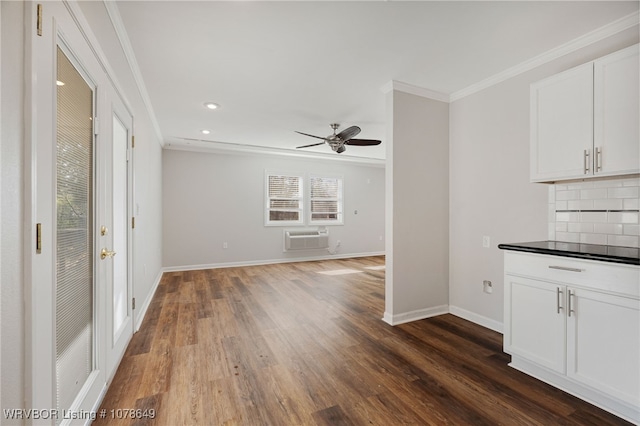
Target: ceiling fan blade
(363,142)
(313,144)
(348,133)
(307,134)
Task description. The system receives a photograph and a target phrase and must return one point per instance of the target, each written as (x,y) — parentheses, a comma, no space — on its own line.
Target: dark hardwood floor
(289,344)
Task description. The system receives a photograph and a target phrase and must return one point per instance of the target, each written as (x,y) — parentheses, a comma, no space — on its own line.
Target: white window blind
(74,244)
(284,199)
(326,200)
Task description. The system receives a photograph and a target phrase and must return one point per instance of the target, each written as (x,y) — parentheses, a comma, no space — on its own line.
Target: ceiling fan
(338,141)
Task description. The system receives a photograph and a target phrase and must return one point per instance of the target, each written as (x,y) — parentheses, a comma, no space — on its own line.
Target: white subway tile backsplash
(601,211)
(580,227)
(631,204)
(571,237)
(597,217)
(593,194)
(568,195)
(631,181)
(581,185)
(633,230)
(607,183)
(593,239)
(567,217)
(623,240)
(614,204)
(607,228)
(623,217)
(580,205)
(561,205)
(624,192)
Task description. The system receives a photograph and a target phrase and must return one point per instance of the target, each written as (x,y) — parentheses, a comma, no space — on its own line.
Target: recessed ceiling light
(211,105)
(206,132)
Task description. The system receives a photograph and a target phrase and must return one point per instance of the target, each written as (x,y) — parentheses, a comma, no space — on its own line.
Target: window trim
(305,218)
(340,200)
(267,199)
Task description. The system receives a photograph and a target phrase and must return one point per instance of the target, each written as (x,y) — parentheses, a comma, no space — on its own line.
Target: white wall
(11,170)
(147,235)
(490,190)
(418,187)
(212,198)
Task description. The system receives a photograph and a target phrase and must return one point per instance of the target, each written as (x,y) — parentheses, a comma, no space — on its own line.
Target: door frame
(39,171)
(118,108)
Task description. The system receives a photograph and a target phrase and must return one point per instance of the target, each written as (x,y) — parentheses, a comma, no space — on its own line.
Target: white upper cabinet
(616,110)
(562,124)
(585,121)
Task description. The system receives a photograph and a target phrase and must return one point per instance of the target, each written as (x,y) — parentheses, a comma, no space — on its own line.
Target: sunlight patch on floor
(375,268)
(340,272)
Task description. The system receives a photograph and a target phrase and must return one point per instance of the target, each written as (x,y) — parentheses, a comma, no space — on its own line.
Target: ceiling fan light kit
(338,141)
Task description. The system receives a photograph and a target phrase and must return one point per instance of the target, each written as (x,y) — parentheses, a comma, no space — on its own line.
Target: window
(288,202)
(326,200)
(284,200)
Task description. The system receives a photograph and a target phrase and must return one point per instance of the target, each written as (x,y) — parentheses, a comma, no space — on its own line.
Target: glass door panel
(74,231)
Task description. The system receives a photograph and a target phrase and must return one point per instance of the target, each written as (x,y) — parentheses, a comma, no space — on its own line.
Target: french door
(79,279)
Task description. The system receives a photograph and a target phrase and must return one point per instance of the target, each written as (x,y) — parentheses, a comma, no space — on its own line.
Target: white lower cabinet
(603,343)
(575,324)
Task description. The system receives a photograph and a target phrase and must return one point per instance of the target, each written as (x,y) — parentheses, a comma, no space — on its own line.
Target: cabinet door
(603,343)
(617,113)
(535,321)
(562,125)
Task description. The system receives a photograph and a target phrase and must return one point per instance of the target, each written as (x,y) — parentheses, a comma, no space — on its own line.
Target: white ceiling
(276,67)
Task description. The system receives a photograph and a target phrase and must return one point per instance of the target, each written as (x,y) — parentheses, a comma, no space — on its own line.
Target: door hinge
(38,238)
(133,222)
(133,303)
(39,20)
(133,141)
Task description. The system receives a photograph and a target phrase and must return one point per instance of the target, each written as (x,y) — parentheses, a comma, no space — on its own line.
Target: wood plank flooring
(303,344)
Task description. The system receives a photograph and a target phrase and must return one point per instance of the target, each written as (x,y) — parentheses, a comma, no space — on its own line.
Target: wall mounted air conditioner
(305,239)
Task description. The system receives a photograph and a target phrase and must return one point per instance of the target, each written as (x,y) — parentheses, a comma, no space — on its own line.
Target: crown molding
(414,90)
(585,40)
(199,145)
(125,43)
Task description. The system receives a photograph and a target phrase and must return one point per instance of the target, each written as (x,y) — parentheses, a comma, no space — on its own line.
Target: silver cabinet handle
(570,309)
(587,166)
(558,292)
(598,159)
(565,268)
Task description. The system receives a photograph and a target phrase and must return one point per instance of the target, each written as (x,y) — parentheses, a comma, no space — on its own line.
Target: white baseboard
(142,310)
(415,315)
(266,262)
(476,318)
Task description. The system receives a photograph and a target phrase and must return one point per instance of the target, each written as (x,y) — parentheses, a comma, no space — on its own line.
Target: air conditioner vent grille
(305,239)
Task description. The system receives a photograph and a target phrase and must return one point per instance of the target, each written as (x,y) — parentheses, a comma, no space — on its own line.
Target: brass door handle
(106,253)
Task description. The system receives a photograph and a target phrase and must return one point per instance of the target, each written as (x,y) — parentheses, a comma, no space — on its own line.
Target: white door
(118,234)
(562,125)
(603,343)
(78,180)
(617,111)
(535,325)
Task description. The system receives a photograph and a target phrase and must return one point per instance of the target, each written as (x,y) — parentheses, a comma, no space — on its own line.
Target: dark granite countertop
(615,254)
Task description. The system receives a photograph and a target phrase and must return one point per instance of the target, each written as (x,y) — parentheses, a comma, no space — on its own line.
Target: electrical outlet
(225,245)
(487,286)
(338,243)
(486,241)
